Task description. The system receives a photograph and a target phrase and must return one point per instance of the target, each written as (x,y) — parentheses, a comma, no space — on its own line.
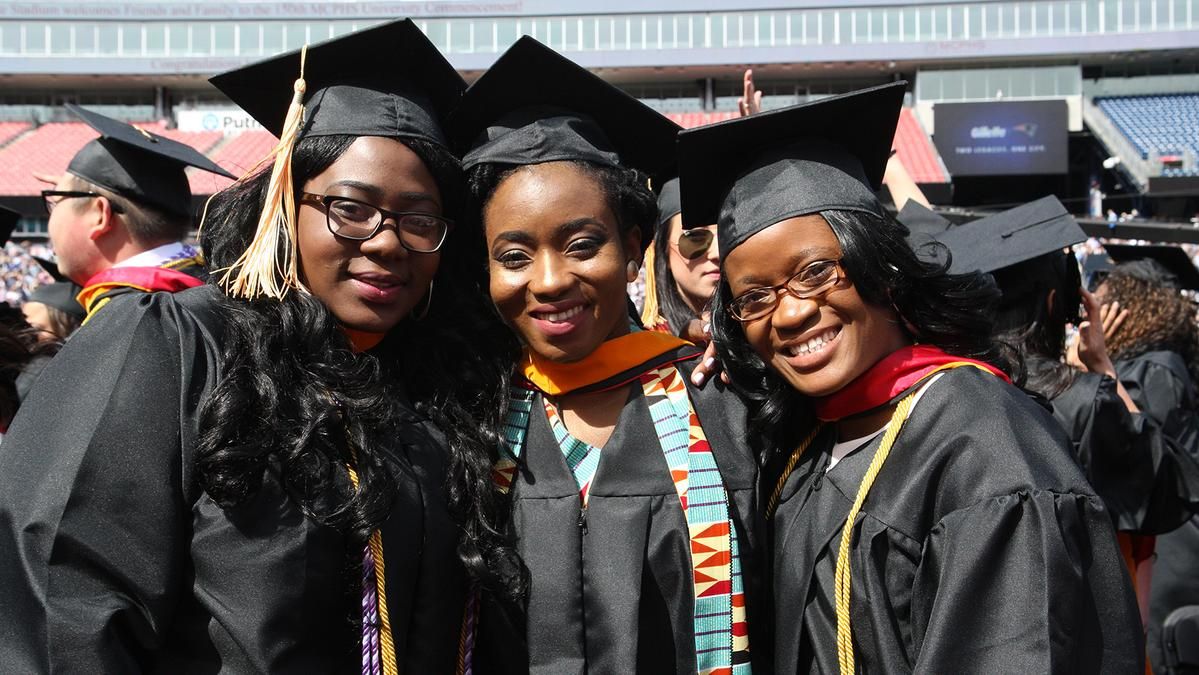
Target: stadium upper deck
(136,37)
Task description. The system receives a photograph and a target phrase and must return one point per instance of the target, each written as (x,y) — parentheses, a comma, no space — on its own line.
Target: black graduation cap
(388,80)
(1096,266)
(1010,237)
(919,218)
(534,105)
(8,223)
(1172,258)
(51,268)
(60,295)
(750,173)
(136,164)
(669,205)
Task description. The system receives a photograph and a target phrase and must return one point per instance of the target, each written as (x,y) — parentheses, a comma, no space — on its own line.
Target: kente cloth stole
(719,619)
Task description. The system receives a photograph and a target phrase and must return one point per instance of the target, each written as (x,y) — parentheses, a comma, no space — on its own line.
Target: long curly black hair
(1036,327)
(297,399)
(1160,317)
(953,312)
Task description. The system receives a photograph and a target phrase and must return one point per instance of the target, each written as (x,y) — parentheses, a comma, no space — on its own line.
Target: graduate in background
(924,515)
(1156,353)
(21,352)
(685,268)
(631,491)
(1150,485)
(120,213)
(52,308)
(253,478)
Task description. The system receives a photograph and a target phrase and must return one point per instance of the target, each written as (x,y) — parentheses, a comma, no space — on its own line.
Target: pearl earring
(631,270)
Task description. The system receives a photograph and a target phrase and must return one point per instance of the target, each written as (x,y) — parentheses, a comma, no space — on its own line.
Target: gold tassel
(259,270)
(649,309)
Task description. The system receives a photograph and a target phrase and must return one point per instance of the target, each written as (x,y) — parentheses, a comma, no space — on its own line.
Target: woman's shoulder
(974,437)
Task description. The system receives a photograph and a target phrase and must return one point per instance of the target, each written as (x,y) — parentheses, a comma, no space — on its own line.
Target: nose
(550,276)
(793,314)
(714,251)
(386,242)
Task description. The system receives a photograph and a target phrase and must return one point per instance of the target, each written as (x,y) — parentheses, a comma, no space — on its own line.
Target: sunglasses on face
(694,244)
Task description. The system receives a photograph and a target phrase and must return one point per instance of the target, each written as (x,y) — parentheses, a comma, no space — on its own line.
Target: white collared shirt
(157,257)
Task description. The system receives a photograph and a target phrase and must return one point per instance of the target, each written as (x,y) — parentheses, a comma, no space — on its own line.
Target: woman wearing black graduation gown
(976,543)
(1156,350)
(254,481)
(629,514)
(1147,484)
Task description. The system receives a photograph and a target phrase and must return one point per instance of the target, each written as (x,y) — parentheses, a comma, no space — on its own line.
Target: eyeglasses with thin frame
(357,220)
(52,198)
(816,278)
(694,243)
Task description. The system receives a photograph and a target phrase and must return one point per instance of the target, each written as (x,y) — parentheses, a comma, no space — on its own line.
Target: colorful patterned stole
(720,626)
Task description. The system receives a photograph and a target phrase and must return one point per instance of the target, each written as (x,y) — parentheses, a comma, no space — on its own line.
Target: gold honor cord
(795,456)
(842,579)
(386,644)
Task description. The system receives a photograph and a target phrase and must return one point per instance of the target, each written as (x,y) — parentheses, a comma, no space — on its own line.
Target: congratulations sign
(1002,138)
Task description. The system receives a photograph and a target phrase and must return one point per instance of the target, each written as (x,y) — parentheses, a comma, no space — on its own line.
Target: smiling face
(820,344)
(368,285)
(696,279)
(558,261)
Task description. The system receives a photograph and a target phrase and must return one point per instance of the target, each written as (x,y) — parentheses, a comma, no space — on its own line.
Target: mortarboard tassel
(649,308)
(269,265)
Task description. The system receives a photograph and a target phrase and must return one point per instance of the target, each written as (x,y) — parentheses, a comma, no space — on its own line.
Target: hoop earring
(420,316)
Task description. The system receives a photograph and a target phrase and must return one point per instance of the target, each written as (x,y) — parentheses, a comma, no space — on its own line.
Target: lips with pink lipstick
(378,287)
(559,318)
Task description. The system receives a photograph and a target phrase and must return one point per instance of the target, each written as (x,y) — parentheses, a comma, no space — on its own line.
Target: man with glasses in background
(120,213)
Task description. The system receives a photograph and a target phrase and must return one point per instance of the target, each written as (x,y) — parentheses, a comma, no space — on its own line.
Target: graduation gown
(613,593)
(112,560)
(980,547)
(1161,386)
(1148,485)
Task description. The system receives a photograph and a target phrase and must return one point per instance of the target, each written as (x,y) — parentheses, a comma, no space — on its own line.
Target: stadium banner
(226,121)
(1002,138)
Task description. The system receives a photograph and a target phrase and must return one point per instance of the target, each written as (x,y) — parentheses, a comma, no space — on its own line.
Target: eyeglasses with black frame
(52,198)
(816,278)
(357,220)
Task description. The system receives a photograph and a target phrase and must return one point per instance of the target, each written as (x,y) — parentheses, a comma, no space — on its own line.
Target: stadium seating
(49,149)
(1160,127)
(10,130)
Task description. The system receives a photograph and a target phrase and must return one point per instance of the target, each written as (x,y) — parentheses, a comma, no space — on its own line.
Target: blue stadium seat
(1161,124)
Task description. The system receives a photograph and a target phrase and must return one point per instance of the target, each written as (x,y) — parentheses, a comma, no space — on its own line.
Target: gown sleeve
(94,508)
(1026,582)
(1147,483)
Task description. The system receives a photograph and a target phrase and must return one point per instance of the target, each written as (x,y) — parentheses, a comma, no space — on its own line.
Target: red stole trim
(615,362)
(361,341)
(146,279)
(893,375)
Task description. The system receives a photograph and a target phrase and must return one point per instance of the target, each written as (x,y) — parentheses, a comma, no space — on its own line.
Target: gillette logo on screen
(1002,138)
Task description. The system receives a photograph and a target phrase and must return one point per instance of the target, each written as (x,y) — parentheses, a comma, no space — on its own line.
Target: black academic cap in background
(1011,237)
(1173,259)
(750,173)
(388,80)
(8,223)
(61,296)
(668,202)
(138,165)
(535,105)
(51,268)
(919,218)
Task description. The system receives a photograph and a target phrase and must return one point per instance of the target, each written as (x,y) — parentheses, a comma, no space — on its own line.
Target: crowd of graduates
(402,415)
